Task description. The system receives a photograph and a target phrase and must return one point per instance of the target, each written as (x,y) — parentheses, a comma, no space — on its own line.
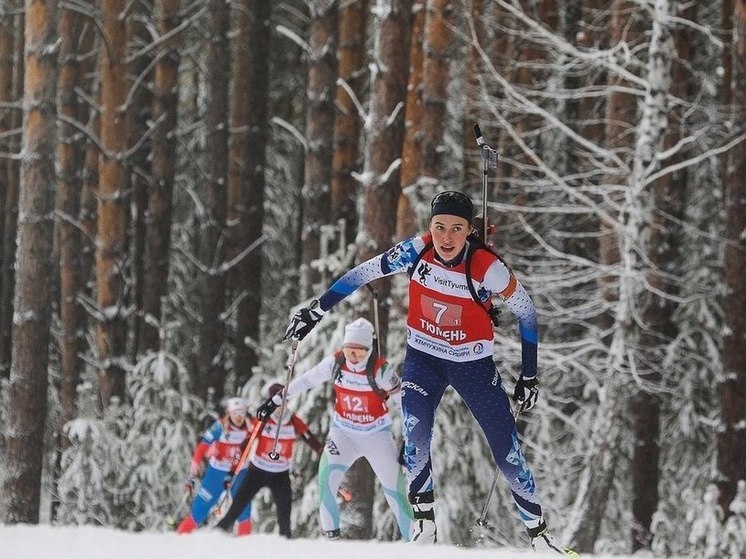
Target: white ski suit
(361,427)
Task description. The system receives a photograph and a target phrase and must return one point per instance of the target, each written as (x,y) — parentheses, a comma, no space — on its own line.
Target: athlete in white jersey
(361,425)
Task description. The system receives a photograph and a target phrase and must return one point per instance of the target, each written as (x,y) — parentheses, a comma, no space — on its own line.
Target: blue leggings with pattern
(211,487)
(424,380)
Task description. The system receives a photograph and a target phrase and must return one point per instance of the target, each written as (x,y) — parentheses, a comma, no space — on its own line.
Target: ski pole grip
(478,134)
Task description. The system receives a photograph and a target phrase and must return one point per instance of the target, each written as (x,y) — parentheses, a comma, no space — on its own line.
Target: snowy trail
(46,542)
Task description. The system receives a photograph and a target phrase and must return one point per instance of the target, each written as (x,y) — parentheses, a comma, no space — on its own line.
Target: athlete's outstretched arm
(396,260)
(313,377)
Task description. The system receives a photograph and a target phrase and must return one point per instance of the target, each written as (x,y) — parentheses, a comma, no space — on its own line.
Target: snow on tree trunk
(24,436)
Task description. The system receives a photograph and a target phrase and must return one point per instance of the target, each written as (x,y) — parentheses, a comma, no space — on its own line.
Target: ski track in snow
(88,542)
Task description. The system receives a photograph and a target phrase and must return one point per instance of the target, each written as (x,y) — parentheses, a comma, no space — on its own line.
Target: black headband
(452,202)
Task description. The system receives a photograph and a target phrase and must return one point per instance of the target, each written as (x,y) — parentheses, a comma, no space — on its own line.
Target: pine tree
(707,526)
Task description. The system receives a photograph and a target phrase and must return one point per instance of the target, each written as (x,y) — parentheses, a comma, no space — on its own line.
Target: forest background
(176,177)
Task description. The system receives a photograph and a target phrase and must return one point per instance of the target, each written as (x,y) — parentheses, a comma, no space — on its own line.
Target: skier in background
(361,424)
(265,472)
(453,276)
(222,444)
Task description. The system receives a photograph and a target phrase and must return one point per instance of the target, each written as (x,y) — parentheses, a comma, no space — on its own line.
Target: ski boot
(542,540)
(332,534)
(423,507)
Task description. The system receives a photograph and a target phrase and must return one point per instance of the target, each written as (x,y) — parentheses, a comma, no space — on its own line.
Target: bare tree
(731,458)
(112,212)
(21,492)
(157,220)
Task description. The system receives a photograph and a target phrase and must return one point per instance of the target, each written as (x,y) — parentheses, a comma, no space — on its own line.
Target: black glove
(401,458)
(227,480)
(526,393)
(266,409)
(303,321)
(189,484)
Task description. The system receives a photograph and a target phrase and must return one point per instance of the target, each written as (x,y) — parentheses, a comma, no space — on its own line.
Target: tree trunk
(621,111)
(88,216)
(214,199)
(664,254)
(246,207)
(76,252)
(139,116)
(435,74)
(7,44)
(411,157)
(381,186)
(31,326)
(11,204)
(322,76)
(112,211)
(621,114)
(731,458)
(530,73)
(477,38)
(157,220)
(70,154)
(595,21)
(347,124)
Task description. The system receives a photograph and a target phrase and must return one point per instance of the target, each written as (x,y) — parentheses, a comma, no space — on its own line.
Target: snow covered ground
(47,542)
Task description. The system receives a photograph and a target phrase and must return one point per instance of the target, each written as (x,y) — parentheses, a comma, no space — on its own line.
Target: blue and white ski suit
(450,342)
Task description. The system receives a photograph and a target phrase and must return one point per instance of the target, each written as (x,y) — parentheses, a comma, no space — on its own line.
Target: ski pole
(375,317)
(489,160)
(482,520)
(273,454)
(172,519)
(241,461)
